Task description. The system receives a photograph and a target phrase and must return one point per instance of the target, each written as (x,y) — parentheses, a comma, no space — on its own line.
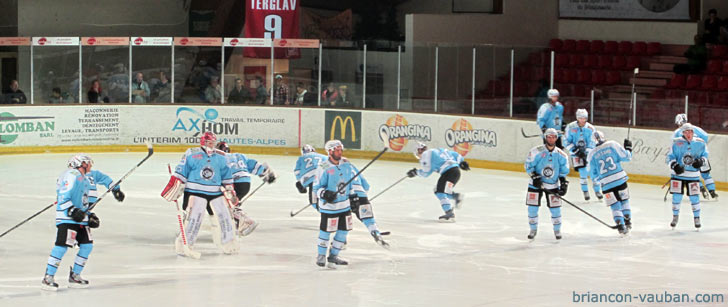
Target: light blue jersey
(577,137)
(72,190)
(605,164)
(331,179)
(203,173)
(698,132)
(359,186)
(551,165)
(307,167)
(438,160)
(684,153)
(95,177)
(242,167)
(550,116)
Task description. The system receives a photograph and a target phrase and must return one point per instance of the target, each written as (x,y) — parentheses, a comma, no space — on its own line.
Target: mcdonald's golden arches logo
(344,126)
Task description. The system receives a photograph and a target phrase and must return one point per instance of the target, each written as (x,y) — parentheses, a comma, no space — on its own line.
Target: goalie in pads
(199,176)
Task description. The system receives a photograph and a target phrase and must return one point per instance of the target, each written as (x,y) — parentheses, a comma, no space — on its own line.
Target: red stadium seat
(611,47)
(536,73)
(556,45)
(536,58)
(596,47)
(639,48)
(725,68)
(591,61)
(564,89)
(520,73)
(720,98)
(654,48)
(582,46)
(714,67)
(722,83)
(632,62)
(677,81)
(625,48)
(580,91)
(569,45)
(520,89)
(570,76)
(561,60)
(674,94)
(575,60)
(698,97)
(619,62)
(598,76)
(560,75)
(719,51)
(605,61)
(709,83)
(583,76)
(658,94)
(693,82)
(613,77)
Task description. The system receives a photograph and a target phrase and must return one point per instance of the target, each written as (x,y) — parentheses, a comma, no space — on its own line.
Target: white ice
(484,259)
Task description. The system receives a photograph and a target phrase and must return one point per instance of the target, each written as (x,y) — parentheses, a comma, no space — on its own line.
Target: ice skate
(713,195)
(458,200)
(244,224)
(448,217)
(532,234)
(599,195)
(674,221)
(321,260)
(704,192)
(378,238)
(622,228)
(628,222)
(48,283)
(586,196)
(557,234)
(334,261)
(75,281)
(697,222)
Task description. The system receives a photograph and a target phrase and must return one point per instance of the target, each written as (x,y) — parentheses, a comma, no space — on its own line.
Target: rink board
(282,130)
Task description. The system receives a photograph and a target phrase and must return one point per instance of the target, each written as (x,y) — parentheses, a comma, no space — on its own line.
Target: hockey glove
(698,163)
(679,169)
(536,180)
(563,126)
(543,130)
(329,196)
(628,145)
(76,214)
(118,194)
(564,186)
(174,189)
(269,176)
(581,153)
(93,220)
(464,165)
(300,187)
(411,173)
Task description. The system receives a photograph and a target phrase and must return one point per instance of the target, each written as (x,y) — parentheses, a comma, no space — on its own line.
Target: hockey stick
(664,199)
(582,210)
(185,246)
(299,210)
(632,100)
(28,219)
(150,152)
(251,193)
(385,138)
(389,187)
(528,136)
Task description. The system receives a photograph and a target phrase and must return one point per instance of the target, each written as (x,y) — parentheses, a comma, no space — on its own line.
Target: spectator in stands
(711,31)
(261,94)
(14,95)
(303,96)
(118,84)
(329,95)
(281,91)
(56,96)
(162,90)
(343,99)
(239,94)
(140,89)
(212,92)
(94,94)
(697,55)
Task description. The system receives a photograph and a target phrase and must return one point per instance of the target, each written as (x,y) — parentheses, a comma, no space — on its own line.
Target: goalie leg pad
(215,230)
(196,211)
(225,220)
(174,189)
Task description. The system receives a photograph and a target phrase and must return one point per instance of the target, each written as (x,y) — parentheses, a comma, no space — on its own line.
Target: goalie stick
(185,245)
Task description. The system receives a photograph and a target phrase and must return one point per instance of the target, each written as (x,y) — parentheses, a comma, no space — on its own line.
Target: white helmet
(552,93)
(550,131)
(421,147)
(680,119)
(582,113)
(77,160)
(332,144)
(599,137)
(306,149)
(686,126)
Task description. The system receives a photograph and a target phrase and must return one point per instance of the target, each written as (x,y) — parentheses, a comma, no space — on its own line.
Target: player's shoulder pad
(572,124)
(590,126)
(537,149)
(698,140)
(192,150)
(562,153)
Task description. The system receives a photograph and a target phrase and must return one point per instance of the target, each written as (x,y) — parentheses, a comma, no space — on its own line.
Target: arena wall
(486,142)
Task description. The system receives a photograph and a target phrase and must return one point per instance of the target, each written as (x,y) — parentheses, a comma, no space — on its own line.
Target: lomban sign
(461,137)
(191,120)
(11,126)
(349,128)
(399,131)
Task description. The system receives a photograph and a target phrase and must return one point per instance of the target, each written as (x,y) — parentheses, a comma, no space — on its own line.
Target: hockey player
(686,156)
(547,165)
(362,208)
(334,207)
(202,171)
(681,119)
(551,115)
(445,162)
(605,163)
(73,221)
(242,167)
(307,171)
(579,142)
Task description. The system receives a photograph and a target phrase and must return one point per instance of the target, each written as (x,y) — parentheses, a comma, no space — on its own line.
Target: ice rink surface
(484,259)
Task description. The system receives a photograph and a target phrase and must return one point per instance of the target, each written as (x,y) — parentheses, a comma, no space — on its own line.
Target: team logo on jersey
(581,143)
(191,120)
(548,171)
(207,173)
(461,137)
(688,159)
(399,131)
(11,126)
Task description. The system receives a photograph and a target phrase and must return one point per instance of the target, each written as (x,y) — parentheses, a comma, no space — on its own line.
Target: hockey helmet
(307,148)
(582,113)
(686,126)
(223,147)
(421,147)
(550,131)
(332,144)
(552,93)
(77,160)
(680,119)
(599,137)
(206,137)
